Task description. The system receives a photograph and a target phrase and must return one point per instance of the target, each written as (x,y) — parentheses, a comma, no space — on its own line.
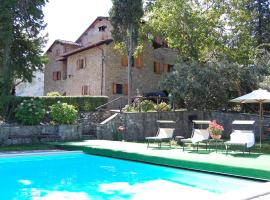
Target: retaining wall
(18,134)
(141,125)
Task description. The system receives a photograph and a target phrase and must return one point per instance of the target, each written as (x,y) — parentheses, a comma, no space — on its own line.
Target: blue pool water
(80,176)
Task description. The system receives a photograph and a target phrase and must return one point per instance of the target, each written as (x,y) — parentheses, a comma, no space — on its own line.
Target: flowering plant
(215,128)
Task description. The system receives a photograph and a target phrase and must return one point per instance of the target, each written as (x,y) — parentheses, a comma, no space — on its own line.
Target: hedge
(81,103)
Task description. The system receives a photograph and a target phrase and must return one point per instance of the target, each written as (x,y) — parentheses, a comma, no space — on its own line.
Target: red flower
(215,128)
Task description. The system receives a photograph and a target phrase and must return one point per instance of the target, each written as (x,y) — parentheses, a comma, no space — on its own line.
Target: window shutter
(114,88)
(124,61)
(165,68)
(59,75)
(54,76)
(78,64)
(125,89)
(138,61)
(85,90)
(157,67)
(84,62)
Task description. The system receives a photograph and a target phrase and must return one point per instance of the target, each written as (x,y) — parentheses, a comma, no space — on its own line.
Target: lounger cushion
(198,136)
(242,137)
(163,133)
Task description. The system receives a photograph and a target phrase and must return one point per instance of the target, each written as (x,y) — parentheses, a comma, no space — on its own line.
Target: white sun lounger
(241,138)
(198,135)
(163,134)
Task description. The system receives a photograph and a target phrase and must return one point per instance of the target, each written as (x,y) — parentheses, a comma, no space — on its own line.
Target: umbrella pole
(261,116)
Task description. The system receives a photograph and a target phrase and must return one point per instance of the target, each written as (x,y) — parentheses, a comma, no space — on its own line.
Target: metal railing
(122,101)
(113,101)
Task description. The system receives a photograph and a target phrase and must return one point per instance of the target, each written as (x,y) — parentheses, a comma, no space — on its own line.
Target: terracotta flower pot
(121,129)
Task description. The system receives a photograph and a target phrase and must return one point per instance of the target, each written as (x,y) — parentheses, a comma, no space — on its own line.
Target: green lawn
(265,147)
(29,147)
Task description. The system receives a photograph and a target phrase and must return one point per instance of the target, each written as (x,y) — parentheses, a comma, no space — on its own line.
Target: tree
(260,23)
(215,38)
(20,41)
(208,85)
(193,28)
(125,16)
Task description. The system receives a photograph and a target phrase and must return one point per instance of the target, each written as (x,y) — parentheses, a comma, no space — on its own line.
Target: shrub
(146,106)
(162,107)
(8,104)
(129,108)
(53,94)
(62,113)
(30,112)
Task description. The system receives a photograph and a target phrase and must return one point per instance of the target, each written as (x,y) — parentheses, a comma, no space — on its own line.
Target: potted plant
(215,130)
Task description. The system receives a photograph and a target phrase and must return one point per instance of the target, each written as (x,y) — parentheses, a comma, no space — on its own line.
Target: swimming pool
(79,176)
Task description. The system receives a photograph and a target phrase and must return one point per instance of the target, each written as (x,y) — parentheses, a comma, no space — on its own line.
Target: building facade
(91,65)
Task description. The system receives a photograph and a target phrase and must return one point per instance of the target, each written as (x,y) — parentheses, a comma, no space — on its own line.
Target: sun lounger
(244,139)
(198,135)
(163,135)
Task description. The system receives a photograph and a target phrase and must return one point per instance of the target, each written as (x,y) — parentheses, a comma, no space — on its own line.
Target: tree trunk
(130,54)
(260,19)
(7,78)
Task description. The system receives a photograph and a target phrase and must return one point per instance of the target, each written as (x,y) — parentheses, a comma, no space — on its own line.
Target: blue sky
(67,19)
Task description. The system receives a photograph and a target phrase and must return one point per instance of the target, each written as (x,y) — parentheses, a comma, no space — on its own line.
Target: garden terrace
(254,165)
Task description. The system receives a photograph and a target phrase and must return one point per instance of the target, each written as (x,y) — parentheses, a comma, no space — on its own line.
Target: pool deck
(254,165)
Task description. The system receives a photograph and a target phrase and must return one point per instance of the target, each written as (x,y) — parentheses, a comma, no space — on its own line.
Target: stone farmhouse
(91,65)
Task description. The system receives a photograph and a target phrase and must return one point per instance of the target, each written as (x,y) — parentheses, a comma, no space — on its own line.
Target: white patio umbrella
(257,96)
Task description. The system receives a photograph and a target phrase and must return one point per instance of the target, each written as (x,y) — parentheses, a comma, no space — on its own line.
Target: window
(102,28)
(81,63)
(157,67)
(85,90)
(167,68)
(120,88)
(57,76)
(170,68)
(137,62)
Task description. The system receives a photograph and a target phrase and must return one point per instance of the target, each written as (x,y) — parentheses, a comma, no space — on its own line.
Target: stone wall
(108,128)
(18,134)
(87,126)
(141,125)
(144,78)
(90,120)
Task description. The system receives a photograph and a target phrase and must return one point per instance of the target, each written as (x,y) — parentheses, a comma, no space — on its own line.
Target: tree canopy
(20,41)
(222,47)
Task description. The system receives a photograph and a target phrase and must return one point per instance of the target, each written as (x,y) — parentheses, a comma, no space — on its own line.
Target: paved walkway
(254,165)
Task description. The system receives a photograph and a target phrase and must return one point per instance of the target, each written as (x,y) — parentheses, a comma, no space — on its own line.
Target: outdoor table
(215,143)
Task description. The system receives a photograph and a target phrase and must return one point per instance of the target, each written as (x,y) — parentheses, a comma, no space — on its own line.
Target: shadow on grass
(244,155)
(160,148)
(200,151)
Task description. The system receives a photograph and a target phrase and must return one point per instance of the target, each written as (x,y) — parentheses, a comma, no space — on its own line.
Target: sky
(68,19)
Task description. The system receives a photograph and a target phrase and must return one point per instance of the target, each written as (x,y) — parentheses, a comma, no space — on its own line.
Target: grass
(30,147)
(264,150)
